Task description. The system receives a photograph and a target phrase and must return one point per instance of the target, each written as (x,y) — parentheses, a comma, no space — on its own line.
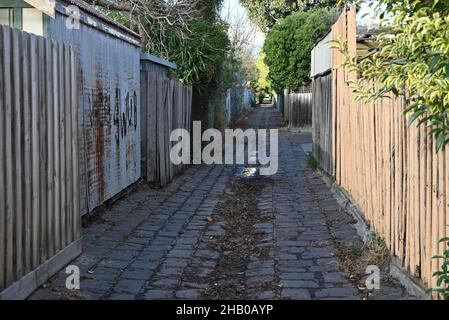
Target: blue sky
(237,11)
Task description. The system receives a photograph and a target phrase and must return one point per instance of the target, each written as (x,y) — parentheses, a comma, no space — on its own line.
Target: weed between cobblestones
(238,244)
(354,260)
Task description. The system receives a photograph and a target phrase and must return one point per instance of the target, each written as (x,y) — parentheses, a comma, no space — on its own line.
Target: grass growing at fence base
(354,260)
(311,161)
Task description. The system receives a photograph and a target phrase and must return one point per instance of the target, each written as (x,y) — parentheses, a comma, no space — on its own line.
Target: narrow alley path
(217,234)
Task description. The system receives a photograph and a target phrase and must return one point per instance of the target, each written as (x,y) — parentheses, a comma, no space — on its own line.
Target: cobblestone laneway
(188,240)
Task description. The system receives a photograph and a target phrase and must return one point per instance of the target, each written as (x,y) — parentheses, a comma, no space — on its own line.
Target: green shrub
(412,61)
(288,45)
(442,286)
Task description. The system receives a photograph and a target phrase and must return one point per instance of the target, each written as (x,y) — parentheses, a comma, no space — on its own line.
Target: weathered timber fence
(390,170)
(298,110)
(279,102)
(322,121)
(39,174)
(166,105)
(238,104)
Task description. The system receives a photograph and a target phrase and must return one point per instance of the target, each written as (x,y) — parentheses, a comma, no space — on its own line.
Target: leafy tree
(187,32)
(240,65)
(288,45)
(412,61)
(144,16)
(266,13)
(200,57)
(262,85)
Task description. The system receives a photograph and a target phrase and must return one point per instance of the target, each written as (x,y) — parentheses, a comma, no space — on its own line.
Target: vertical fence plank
(442,204)
(49,148)
(9,223)
(2,165)
(171,113)
(152,115)
(397,191)
(75,147)
(17,143)
(404,212)
(429,183)
(68,143)
(62,143)
(42,150)
(144,122)
(27,152)
(35,152)
(161,114)
(423,201)
(56,152)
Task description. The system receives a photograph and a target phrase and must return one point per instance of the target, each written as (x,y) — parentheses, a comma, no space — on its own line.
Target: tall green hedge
(288,47)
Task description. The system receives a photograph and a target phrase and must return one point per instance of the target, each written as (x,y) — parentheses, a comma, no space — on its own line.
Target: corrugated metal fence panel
(322,122)
(321,60)
(109,98)
(39,198)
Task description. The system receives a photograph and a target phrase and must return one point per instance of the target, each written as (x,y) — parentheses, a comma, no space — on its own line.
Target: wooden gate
(39,195)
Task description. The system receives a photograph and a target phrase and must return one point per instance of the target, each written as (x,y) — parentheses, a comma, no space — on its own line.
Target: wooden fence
(238,104)
(322,122)
(39,178)
(279,102)
(298,110)
(391,171)
(166,105)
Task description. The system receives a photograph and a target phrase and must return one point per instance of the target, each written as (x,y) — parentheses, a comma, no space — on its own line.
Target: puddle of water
(246,172)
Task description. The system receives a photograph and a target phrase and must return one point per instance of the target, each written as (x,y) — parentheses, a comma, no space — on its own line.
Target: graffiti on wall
(109,118)
(125,120)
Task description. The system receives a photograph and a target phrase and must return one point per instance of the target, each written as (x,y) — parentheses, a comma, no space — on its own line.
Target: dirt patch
(73,295)
(239,213)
